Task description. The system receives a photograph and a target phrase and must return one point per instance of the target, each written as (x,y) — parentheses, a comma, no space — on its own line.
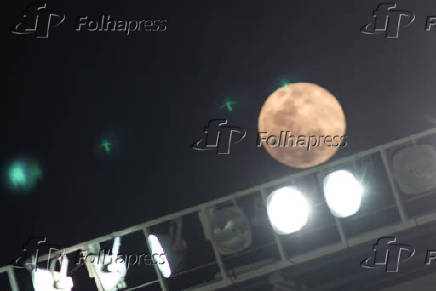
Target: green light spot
(228,105)
(23,175)
(17,175)
(106,145)
(285,84)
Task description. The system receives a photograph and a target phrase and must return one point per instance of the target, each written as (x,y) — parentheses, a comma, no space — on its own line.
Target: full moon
(301,125)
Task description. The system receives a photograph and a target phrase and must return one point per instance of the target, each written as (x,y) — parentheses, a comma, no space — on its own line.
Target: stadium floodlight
(169,250)
(157,248)
(228,228)
(288,210)
(343,193)
(414,169)
(50,280)
(111,270)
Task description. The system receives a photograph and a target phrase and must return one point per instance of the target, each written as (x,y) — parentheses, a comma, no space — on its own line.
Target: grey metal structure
(406,222)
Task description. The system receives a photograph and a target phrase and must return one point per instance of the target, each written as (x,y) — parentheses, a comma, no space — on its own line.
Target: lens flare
(23,175)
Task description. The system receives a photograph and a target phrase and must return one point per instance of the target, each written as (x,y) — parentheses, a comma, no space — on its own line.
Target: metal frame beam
(406,223)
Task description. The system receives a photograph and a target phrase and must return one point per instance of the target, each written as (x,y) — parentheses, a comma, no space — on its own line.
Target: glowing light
(287,209)
(156,248)
(44,280)
(106,145)
(23,175)
(228,104)
(17,175)
(50,280)
(111,270)
(285,84)
(343,193)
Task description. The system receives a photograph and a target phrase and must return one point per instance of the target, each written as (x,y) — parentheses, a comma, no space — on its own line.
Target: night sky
(152,93)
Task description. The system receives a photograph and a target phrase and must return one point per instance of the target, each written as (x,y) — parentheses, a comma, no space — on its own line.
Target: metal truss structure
(224,280)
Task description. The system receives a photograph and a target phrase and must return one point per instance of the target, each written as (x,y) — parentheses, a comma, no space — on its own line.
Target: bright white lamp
(343,193)
(157,248)
(287,210)
(111,271)
(50,280)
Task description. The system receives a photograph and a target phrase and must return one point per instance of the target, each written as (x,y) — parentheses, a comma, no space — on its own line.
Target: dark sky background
(153,92)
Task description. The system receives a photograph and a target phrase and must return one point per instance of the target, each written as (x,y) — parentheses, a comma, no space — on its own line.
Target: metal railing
(225,280)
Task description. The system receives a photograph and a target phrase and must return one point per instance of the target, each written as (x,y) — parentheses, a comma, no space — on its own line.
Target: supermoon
(301,110)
